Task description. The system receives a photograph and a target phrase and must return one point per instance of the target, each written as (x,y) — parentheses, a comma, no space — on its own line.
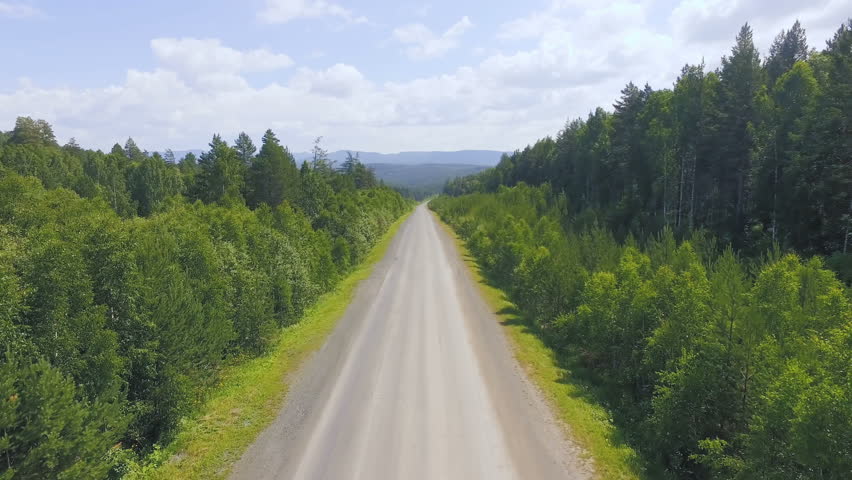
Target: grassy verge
(589,424)
(251,392)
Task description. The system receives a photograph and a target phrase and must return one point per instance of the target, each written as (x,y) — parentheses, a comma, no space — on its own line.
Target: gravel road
(416,382)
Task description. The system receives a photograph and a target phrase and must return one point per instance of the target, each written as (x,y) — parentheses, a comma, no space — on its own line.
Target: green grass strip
(251,393)
(587,423)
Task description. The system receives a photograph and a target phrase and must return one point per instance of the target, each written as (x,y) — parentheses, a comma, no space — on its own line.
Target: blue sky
(367,75)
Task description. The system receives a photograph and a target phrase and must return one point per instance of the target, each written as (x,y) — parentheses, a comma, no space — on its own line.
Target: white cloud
(206,56)
(18,10)
(503,102)
(423,43)
(339,80)
(698,21)
(572,56)
(283,11)
(161,109)
(608,42)
(531,26)
(217,81)
(708,29)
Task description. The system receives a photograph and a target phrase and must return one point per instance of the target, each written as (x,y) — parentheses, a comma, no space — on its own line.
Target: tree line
(715,366)
(652,247)
(127,279)
(756,151)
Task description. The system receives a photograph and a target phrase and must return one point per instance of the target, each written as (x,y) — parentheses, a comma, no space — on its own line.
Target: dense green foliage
(127,280)
(756,152)
(718,368)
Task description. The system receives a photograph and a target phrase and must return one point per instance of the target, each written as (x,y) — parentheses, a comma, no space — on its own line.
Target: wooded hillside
(757,151)
(128,279)
(673,254)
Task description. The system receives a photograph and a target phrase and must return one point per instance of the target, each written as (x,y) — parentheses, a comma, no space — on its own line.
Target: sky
(366,75)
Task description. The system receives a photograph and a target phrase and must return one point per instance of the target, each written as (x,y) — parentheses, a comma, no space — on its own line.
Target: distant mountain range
(421,173)
(487,158)
(422,180)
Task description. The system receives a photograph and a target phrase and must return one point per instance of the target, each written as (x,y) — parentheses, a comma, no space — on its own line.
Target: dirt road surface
(416,382)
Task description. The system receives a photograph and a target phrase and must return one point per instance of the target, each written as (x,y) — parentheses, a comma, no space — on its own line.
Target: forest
(756,152)
(689,252)
(128,279)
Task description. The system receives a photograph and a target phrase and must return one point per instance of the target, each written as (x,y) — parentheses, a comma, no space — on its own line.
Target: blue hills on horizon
(420,173)
(486,158)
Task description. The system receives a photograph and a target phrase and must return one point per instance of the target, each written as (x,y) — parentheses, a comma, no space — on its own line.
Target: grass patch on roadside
(250,393)
(589,424)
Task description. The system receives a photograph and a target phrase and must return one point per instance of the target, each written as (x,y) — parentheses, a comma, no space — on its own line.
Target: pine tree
(221,175)
(118,151)
(823,170)
(273,177)
(169,157)
(362,176)
(320,161)
(132,151)
(245,149)
(72,146)
(627,164)
(788,48)
(741,77)
(793,101)
(47,432)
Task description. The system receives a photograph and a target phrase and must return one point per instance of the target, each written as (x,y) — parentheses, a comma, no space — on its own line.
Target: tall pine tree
(273,177)
(221,174)
(741,76)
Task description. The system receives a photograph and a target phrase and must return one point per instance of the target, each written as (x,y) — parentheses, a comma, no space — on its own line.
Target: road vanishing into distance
(417,381)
